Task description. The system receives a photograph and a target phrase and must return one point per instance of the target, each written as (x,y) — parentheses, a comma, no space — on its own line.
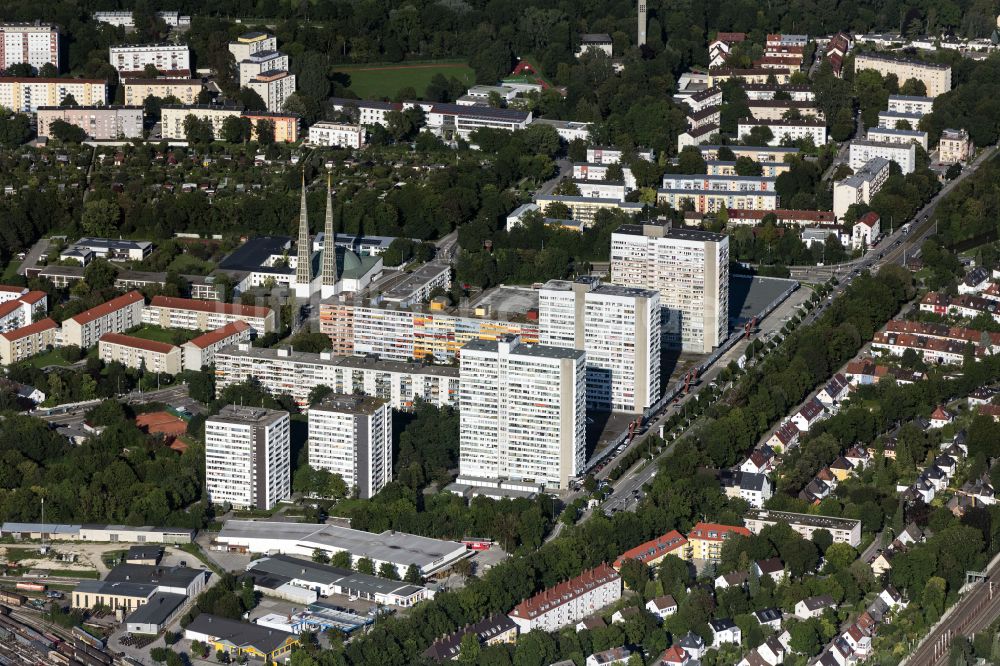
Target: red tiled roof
(702,530)
(730,37)
(9,306)
(674,655)
(33,297)
(218,334)
(105,309)
(209,306)
(941,414)
(31,329)
(12,288)
(869,219)
(653,549)
(137,343)
(783,214)
(564,592)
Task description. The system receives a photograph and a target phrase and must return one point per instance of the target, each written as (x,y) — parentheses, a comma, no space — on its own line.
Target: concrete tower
(328,284)
(303,268)
(642,23)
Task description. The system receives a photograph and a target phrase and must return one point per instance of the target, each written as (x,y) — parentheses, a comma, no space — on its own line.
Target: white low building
(342,135)
(392,547)
(785,129)
(860,187)
(904,136)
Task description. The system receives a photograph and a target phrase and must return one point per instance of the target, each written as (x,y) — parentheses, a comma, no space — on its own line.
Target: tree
(233,130)
(342,559)
(198,131)
(15,128)
(320,557)
(100,274)
(100,218)
(746,166)
(759,135)
(805,637)
(150,71)
(366,566)
(66,132)
(413,575)
(48,71)
(252,101)
(469,649)
(69,100)
(388,570)
(840,556)
(264,132)
(933,598)
(914,87)
(690,161)
(318,394)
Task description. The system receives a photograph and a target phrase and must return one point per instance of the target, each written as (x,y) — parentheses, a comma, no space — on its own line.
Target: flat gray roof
(157,610)
(389,546)
(153,574)
(288,567)
(415,280)
(253,415)
(242,634)
(803,519)
(343,361)
(539,351)
(349,404)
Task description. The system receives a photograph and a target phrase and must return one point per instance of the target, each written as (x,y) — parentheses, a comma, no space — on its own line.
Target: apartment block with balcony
(936,78)
(618,328)
(27,94)
(523,413)
(195,315)
(35,44)
(351,436)
(117,315)
(100,123)
(133,352)
(690,270)
(247,457)
(169,59)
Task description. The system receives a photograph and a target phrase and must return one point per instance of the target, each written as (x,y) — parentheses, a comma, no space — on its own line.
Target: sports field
(373,81)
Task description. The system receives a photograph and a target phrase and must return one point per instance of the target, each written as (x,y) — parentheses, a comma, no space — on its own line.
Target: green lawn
(168,335)
(10,271)
(53,357)
(373,81)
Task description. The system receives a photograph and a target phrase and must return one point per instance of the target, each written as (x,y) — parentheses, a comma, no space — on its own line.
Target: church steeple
(303,269)
(329,271)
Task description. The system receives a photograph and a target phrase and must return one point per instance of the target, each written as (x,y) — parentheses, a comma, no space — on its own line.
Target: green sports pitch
(373,81)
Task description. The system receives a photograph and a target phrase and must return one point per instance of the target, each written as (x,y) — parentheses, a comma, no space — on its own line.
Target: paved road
(447,247)
(623,496)
(897,246)
(174,395)
(32,256)
(565,171)
(973,613)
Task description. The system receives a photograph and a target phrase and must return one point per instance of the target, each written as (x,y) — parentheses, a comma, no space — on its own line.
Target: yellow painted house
(241,638)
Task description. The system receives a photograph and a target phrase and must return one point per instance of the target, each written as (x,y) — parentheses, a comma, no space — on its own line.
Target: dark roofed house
(489,631)
(238,638)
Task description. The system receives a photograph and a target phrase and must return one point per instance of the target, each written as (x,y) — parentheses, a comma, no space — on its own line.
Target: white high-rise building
(351,436)
(248,457)
(523,413)
(250,43)
(33,43)
(618,327)
(690,269)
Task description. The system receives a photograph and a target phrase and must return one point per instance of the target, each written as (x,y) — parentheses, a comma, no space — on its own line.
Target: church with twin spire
(321,267)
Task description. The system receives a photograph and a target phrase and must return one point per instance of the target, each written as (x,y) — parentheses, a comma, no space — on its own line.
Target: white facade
(27,94)
(172,118)
(689,268)
(862,150)
(891,135)
(281,371)
(568,602)
(352,436)
(262,61)
(523,412)
(860,187)
(165,57)
(325,133)
(28,43)
(786,129)
(911,104)
(247,457)
(605,155)
(895,119)
(250,43)
(115,316)
(274,88)
(619,329)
